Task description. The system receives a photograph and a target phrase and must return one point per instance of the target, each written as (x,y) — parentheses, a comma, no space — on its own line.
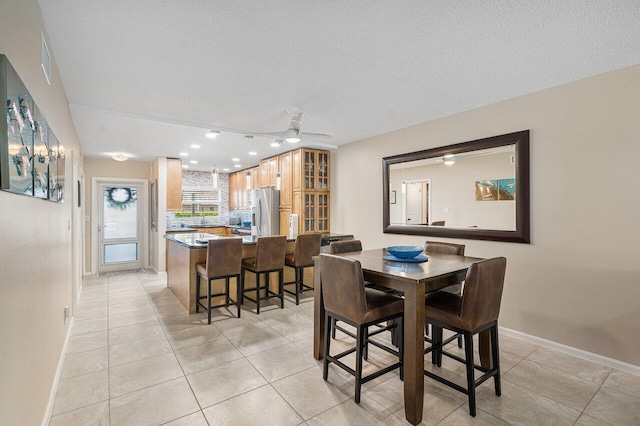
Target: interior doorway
(417,202)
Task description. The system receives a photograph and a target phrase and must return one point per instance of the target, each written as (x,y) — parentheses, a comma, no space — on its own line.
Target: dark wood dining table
(414,280)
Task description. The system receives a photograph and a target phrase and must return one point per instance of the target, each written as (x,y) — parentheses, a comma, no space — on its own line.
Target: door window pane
(127,252)
(120,213)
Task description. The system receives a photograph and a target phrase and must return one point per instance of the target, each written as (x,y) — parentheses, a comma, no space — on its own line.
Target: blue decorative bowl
(404,252)
(246,224)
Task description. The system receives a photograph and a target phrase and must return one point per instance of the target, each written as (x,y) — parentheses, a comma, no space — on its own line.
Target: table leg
(484,348)
(414,352)
(318,315)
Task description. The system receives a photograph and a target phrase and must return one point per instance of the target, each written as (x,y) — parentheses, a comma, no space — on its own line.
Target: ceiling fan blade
(280,135)
(305,135)
(296,120)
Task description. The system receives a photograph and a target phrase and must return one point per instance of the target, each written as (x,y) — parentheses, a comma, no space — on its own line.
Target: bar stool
(224,257)
(269,258)
(475,311)
(337,247)
(347,299)
(307,246)
(447,248)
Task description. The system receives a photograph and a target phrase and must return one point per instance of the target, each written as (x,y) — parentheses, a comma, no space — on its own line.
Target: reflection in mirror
(476,190)
(473,189)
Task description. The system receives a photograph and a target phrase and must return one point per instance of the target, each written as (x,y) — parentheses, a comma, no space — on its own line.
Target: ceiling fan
(293,133)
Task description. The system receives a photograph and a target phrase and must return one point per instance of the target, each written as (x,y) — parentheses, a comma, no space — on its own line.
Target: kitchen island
(184,251)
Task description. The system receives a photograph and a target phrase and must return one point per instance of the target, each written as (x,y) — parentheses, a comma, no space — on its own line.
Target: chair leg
(436,344)
(238,293)
(197,293)
(440,348)
(471,381)
(258,290)
(333,328)
(365,343)
(281,287)
(360,338)
(297,285)
(209,300)
(400,340)
(327,346)
(496,359)
(460,341)
(242,276)
(226,290)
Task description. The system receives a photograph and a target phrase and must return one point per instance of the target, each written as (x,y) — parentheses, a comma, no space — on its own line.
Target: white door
(414,203)
(120,227)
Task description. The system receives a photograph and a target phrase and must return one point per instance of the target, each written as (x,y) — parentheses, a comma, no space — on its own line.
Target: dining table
(414,280)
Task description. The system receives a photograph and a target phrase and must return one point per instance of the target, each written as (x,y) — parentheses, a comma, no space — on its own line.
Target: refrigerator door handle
(259,216)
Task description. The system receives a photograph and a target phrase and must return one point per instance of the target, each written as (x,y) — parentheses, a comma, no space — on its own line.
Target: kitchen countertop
(191,240)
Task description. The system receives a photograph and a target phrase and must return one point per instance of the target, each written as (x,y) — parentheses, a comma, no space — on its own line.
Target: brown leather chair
(337,247)
(475,311)
(447,248)
(347,299)
(307,247)
(269,258)
(223,261)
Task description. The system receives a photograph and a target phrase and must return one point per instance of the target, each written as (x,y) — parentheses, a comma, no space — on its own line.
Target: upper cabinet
(310,170)
(174,184)
(304,187)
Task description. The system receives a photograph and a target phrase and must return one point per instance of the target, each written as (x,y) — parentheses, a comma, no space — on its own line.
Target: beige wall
(578,282)
(35,244)
(107,167)
(452,189)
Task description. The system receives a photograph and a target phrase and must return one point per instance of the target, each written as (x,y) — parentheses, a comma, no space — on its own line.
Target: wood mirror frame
(521,234)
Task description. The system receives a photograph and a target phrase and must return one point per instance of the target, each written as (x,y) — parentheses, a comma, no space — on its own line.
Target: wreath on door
(120,198)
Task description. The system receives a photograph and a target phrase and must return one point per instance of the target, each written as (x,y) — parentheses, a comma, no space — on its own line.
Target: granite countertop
(199,240)
(183,229)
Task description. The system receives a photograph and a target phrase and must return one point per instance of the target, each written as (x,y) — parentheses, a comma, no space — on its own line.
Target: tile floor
(135,357)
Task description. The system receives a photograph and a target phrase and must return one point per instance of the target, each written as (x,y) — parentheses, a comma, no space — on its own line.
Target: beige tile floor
(135,357)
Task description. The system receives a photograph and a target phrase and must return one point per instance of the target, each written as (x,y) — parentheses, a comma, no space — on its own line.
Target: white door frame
(96,197)
(404,201)
(77,221)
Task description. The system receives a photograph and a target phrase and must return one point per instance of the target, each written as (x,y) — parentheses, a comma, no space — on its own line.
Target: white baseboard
(569,350)
(56,379)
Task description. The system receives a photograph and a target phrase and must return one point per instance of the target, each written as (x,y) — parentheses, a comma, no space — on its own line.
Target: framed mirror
(475,190)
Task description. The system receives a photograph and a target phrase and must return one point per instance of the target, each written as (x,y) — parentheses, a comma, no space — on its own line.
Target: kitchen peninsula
(185,250)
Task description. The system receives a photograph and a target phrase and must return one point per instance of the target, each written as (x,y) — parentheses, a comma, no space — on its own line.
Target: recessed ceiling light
(237,165)
(120,157)
(193,162)
(235,159)
(185,166)
(225,170)
(276,143)
(195,146)
(212,134)
(184,154)
(253,153)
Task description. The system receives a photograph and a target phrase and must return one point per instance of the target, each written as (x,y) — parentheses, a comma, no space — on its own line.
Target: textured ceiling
(149,77)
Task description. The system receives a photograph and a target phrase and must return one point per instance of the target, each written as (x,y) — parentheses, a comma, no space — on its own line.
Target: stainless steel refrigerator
(265,212)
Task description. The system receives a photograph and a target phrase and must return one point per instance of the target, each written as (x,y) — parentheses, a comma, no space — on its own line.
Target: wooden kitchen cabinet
(310,190)
(238,192)
(285,182)
(268,172)
(174,184)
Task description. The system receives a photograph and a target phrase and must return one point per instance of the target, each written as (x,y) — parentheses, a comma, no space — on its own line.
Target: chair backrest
(343,287)
(270,252)
(345,246)
(444,248)
(307,246)
(224,257)
(438,223)
(483,292)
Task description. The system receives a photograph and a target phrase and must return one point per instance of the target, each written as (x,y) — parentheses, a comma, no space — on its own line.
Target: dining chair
(224,257)
(306,248)
(346,298)
(475,311)
(270,252)
(447,248)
